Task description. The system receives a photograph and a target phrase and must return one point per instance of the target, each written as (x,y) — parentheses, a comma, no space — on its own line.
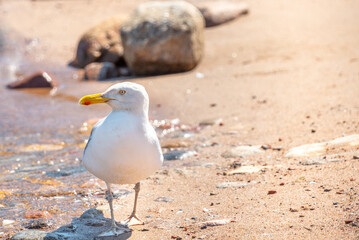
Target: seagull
(123,147)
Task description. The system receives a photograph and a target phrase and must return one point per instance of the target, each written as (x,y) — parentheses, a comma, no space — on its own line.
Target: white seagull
(123,147)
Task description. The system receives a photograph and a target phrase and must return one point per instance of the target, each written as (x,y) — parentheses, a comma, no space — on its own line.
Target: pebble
(7,222)
(176,143)
(37,224)
(235,164)
(178,155)
(199,75)
(272,192)
(348,221)
(183,172)
(235,184)
(29,235)
(211,122)
(318,149)
(213,223)
(241,151)
(164,199)
(350,140)
(307,150)
(244,170)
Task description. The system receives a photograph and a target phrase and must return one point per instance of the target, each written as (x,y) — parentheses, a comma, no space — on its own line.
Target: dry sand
(284,75)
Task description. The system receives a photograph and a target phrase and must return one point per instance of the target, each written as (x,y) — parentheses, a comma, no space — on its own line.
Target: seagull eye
(122,92)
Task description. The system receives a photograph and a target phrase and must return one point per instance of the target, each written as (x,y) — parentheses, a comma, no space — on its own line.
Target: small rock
(35,80)
(184,172)
(29,235)
(176,143)
(199,75)
(219,12)
(308,150)
(213,223)
(348,221)
(241,151)
(350,140)
(266,147)
(272,192)
(210,122)
(100,71)
(178,155)
(35,214)
(235,164)
(163,37)
(355,157)
(335,203)
(7,222)
(293,210)
(244,170)
(37,224)
(318,149)
(234,184)
(312,162)
(164,199)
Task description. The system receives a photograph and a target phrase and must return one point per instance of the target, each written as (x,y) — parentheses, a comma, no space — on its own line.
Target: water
(42,137)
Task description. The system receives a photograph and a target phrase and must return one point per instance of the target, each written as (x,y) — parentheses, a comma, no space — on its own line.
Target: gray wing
(92,133)
(88,141)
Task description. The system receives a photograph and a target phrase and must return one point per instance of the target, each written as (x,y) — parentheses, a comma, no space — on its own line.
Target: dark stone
(37,224)
(35,80)
(101,43)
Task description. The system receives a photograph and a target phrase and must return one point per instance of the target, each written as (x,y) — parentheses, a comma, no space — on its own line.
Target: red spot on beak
(87,103)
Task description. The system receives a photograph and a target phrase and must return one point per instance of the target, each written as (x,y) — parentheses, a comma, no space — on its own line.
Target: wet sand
(284,75)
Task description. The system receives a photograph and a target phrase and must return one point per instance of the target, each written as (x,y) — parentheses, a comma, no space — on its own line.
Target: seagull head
(121,96)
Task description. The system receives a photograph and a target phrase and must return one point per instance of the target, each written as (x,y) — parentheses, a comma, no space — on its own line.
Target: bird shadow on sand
(88,226)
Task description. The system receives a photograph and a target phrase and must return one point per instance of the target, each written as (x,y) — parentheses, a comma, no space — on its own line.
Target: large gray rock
(101,43)
(163,37)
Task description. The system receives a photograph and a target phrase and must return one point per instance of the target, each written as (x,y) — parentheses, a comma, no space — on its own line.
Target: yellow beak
(93,99)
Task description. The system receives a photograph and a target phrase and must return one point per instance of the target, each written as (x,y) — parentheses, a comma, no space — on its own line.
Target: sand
(284,75)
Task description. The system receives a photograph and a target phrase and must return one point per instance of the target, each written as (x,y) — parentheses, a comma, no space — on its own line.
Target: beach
(282,76)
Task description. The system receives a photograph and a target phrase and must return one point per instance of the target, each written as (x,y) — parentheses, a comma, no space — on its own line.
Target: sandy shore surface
(283,76)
